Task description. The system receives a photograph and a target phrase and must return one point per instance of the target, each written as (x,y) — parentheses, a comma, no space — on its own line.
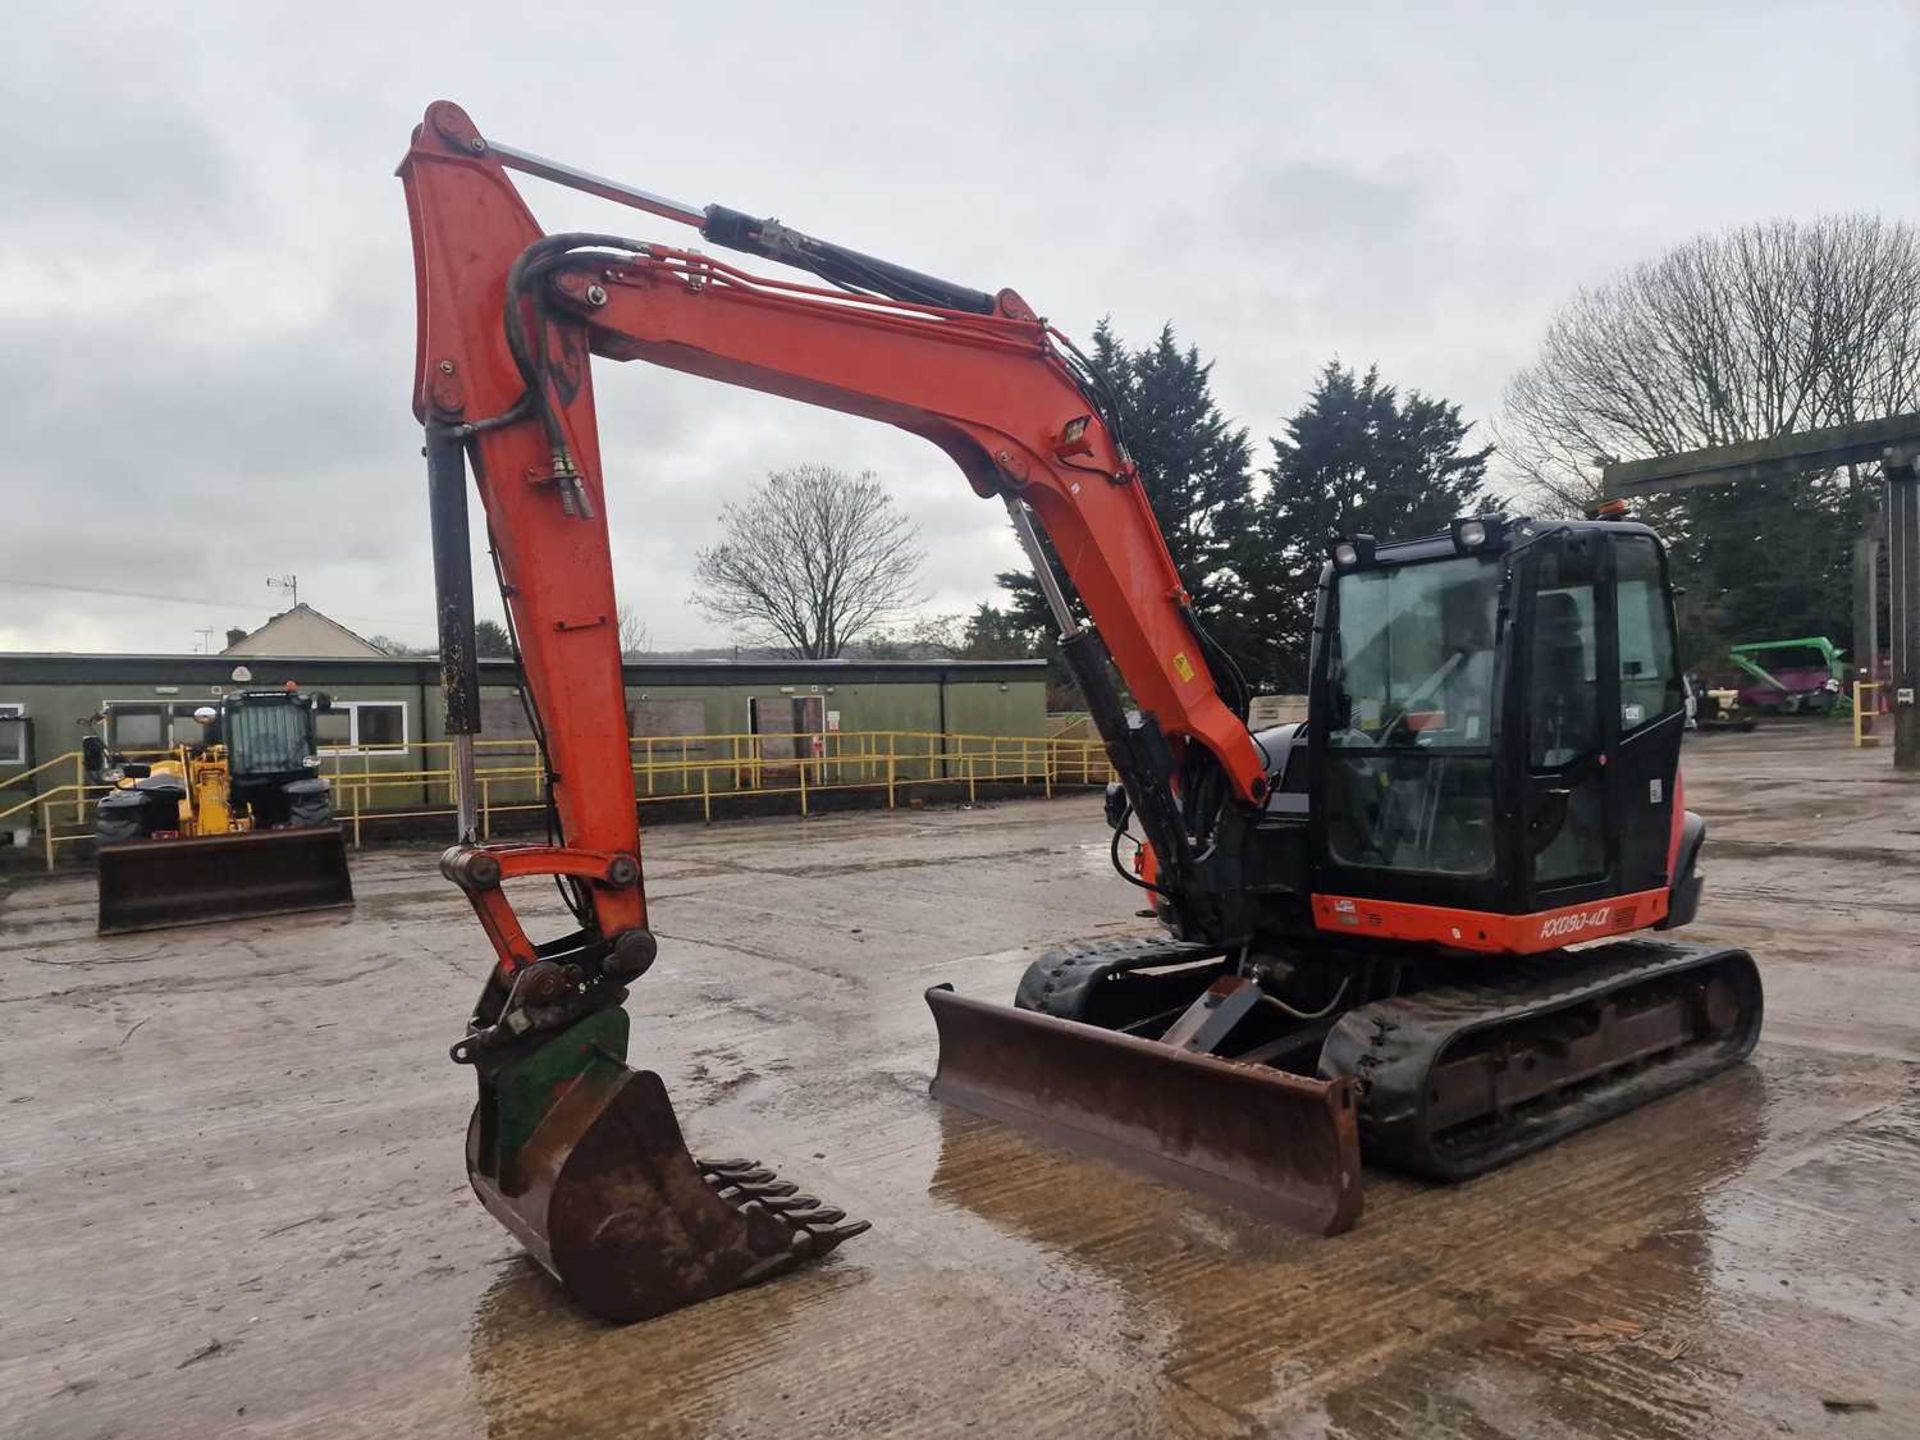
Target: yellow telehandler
(240,824)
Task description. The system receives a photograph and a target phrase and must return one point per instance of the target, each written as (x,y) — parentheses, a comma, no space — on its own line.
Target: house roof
(323,636)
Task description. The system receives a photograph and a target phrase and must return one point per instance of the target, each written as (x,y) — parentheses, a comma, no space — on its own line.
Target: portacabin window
(352,727)
(136,725)
(13,733)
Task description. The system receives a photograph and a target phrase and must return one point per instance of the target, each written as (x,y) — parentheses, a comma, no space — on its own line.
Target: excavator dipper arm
(508,320)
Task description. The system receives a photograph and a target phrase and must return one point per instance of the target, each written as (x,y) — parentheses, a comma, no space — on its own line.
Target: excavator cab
(1502,711)
(1489,770)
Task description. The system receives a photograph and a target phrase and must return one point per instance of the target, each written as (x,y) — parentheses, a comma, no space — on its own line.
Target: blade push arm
(508,320)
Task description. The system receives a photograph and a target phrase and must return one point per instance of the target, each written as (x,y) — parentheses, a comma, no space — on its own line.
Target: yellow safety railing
(73,763)
(1866,700)
(703,768)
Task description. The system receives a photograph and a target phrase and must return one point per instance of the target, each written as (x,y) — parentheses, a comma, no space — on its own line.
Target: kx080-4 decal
(1575,923)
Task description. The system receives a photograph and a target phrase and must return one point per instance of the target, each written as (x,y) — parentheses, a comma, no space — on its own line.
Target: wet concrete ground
(232,1198)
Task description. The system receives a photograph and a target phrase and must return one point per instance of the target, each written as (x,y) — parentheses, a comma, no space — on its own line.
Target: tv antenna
(288,583)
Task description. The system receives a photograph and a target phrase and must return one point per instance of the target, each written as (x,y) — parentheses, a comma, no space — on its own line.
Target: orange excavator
(1378,926)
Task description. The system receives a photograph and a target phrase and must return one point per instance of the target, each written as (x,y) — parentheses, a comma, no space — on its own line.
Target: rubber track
(1390,1046)
(1064,980)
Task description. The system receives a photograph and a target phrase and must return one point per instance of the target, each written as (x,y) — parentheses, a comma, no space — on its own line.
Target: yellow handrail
(73,758)
(883,761)
(1863,712)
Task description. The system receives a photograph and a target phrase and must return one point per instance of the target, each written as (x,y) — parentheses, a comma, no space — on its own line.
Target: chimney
(235,636)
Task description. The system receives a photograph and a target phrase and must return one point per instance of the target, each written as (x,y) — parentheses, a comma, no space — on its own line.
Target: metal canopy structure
(1781,457)
(1894,444)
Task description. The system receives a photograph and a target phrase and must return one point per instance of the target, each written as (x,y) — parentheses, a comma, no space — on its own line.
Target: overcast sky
(206,314)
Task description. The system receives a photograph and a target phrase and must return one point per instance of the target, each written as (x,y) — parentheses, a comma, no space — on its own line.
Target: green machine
(1806,676)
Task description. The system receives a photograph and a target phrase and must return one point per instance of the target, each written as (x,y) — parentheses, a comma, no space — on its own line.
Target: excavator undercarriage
(1151,1053)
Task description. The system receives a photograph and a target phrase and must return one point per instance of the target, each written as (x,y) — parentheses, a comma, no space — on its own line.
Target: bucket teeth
(741,1172)
(752,1188)
(827,1235)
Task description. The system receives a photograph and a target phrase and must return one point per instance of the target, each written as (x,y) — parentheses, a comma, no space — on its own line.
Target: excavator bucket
(153,884)
(583,1160)
(1260,1138)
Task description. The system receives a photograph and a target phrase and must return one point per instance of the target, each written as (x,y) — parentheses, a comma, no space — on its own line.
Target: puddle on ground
(1511,1305)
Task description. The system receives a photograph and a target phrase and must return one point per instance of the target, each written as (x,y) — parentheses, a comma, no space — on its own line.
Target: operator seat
(1566,834)
(1561,705)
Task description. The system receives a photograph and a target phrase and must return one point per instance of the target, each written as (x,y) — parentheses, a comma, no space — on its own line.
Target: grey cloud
(205,293)
(1315,209)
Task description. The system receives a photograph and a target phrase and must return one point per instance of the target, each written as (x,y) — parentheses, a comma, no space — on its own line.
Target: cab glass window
(1409,774)
(1563,711)
(1412,658)
(1649,677)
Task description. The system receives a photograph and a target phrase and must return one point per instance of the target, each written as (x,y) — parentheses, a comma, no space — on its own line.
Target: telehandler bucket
(583,1160)
(1275,1143)
(153,884)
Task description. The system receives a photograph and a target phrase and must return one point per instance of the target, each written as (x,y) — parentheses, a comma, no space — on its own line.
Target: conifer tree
(1355,459)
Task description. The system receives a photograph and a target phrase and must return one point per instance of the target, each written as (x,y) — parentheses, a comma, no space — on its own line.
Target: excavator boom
(578,1155)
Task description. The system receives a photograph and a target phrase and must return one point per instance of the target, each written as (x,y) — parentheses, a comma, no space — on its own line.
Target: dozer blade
(152,884)
(1271,1142)
(604,1193)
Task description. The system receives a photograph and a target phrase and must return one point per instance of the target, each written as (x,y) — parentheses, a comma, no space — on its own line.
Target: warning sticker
(1183,666)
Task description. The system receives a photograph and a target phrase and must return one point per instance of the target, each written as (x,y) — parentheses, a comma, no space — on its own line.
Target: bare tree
(1767,329)
(636,636)
(925,637)
(813,559)
(398,649)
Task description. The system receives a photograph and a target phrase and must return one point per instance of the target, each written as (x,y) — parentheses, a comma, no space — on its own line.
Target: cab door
(1650,707)
(1600,710)
(1563,723)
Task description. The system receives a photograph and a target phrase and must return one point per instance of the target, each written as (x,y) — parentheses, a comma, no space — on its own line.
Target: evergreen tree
(491,639)
(1195,466)
(995,634)
(1762,560)
(1196,469)
(1355,459)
